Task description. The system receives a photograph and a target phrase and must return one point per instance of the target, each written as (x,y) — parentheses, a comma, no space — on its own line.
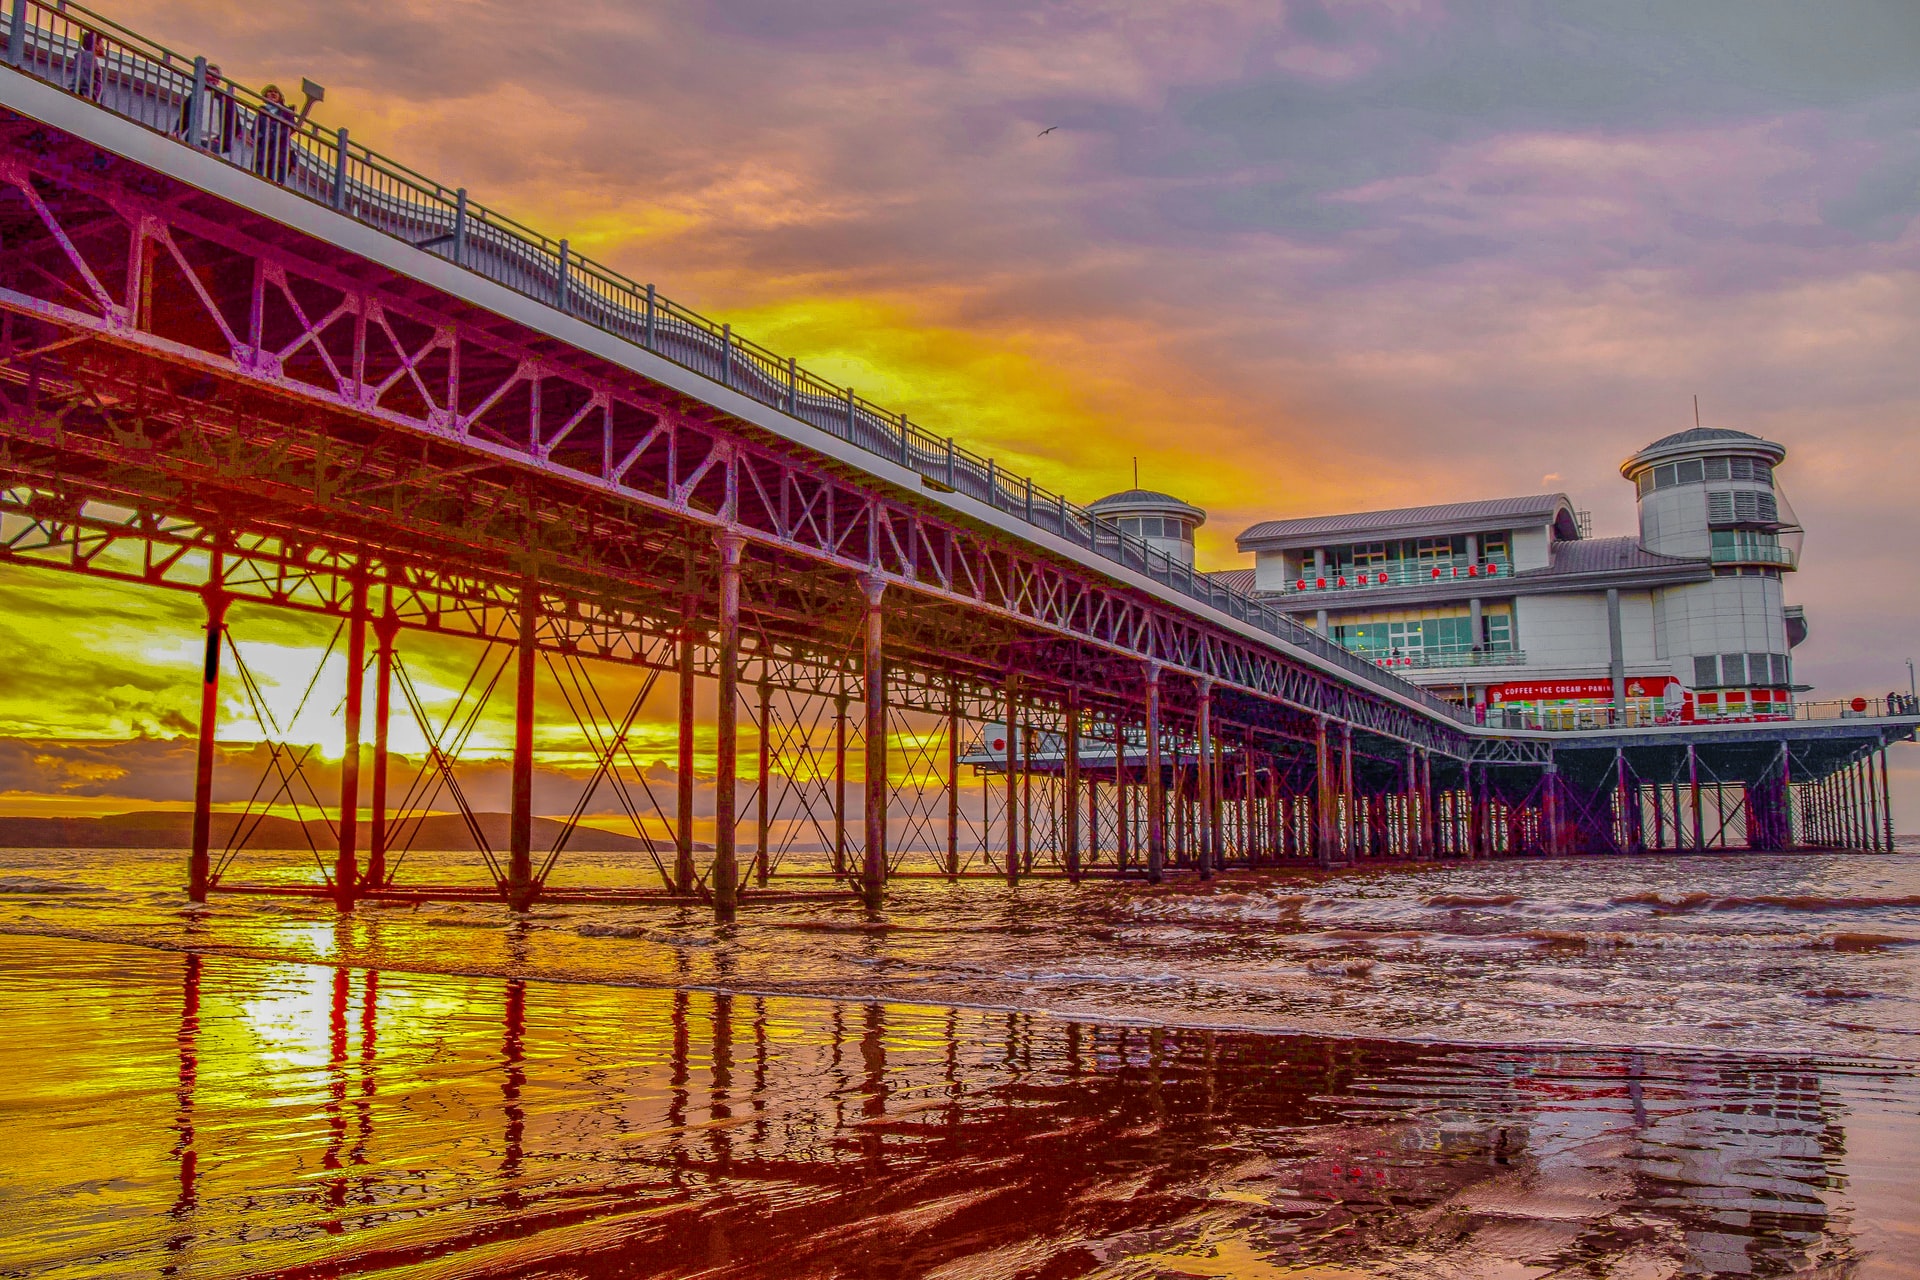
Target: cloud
(1297,257)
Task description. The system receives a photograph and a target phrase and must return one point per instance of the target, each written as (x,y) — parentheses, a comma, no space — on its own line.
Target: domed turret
(1708,493)
(1164,521)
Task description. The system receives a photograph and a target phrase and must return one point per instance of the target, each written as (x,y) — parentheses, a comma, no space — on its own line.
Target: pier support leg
(1013,779)
(200,860)
(1156,782)
(726,857)
(873,870)
(1325,818)
(1207,782)
(519,886)
(683,873)
(1429,826)
(1122,815)
(346,863)
(953,783)
(1553,834)
(1070,786)
(1347,823)
(384,632)
(763,796)
(840,784)
(1886,799)
(1693,790)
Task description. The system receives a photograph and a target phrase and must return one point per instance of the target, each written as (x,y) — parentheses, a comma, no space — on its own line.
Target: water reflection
(636,1132)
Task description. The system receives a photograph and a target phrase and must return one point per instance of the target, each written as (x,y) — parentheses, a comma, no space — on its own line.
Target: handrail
(77,50)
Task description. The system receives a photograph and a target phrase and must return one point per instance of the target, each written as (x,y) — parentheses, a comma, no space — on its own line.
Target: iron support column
(1693,789)
(200,860)
(953,783)
(1207,782)
(726,855)
(1550,810)
(840,784)
(1622,823)
(683,874)
(1886,797)
(346,864)
(384,632)
(1070,786)
(1428,829)
(1345,826)
(519,886)
(1325,828)
(873,872)
(763,796)
(1411,834)
(1156,783)
(1013,780)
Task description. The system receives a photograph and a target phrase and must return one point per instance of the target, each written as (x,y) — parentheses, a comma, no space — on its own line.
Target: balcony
(1405,573)
(1754,553)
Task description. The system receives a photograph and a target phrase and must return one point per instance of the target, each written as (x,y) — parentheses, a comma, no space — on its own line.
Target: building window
(1494,546)
(1157,527)
(1370,555)
(1706,671)
(1496,630)
(1741,506)
(1428,550)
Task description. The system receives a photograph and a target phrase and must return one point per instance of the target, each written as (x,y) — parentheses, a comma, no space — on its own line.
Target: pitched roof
(1128,499)
(1234,579)
(1700,435)
(1605,555)
(1539,508)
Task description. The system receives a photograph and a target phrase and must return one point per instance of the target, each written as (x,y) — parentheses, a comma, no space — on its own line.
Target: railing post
(17,35)
(560,290)
(903,440)
(950,461)
(340,170)
(850,413)
(460,227)
(1029,511)
(648,340)
(793,386)
(993,483)
(726,355)
(197,103)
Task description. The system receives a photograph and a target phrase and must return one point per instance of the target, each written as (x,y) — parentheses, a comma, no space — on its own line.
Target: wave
(1473,900)
(1784,902)
(1862,941)
(36,885)
(642,932)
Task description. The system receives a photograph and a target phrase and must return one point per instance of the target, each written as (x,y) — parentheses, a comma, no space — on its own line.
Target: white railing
(1404,573)
(83,53)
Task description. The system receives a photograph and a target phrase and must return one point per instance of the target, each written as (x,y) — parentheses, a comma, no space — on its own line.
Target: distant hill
(170,830)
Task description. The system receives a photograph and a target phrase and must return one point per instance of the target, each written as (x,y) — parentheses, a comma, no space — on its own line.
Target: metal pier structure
(244,356)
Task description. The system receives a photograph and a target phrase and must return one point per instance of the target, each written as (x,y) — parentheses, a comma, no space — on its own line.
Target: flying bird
(1044,132)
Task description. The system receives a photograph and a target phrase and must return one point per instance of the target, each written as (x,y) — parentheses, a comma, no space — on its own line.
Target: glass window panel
(1706,671)
(1733,668)
(1717,468)
(1758,669)
(1779,663)
(1663,477)
(1692,471)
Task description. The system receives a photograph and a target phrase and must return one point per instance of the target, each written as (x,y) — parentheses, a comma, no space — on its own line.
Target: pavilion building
(1512,607)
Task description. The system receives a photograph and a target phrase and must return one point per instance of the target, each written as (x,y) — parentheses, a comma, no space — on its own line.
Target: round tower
(1164,521)
(1708,493)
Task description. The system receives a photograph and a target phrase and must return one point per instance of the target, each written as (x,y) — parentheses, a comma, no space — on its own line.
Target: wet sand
(173,1114)
(1675,1067)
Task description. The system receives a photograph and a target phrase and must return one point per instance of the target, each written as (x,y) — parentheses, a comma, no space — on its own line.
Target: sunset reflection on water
(224,1116)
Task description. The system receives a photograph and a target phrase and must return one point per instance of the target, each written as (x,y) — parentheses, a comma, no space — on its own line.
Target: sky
(1293,257)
